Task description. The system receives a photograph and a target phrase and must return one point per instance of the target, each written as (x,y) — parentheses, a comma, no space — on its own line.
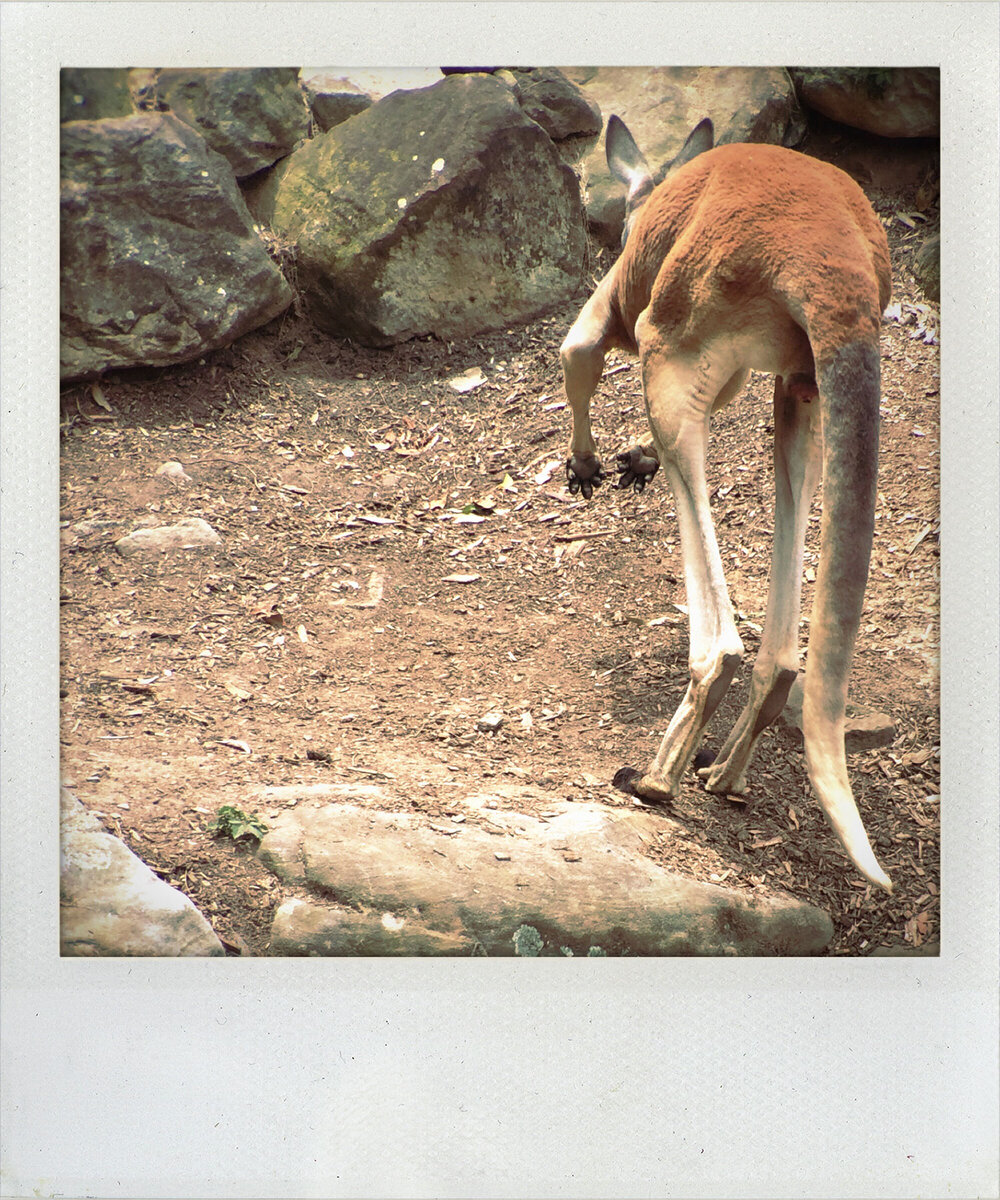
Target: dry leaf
(141,689)
(443,829)
(467,381)
(235,745)
(546,473)
(97,395)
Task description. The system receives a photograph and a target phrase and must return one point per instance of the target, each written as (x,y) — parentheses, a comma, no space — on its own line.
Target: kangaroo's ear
(625,159)
(700,139)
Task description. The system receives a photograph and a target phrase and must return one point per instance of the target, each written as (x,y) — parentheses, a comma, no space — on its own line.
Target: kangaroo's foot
(626,780)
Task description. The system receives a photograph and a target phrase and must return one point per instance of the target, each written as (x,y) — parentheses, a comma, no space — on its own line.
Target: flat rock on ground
(378,883)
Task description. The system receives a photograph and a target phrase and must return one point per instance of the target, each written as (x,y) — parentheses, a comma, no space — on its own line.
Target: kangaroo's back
(741,223)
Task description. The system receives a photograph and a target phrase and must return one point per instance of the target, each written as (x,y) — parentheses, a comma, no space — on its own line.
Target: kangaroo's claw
(636,468)
(583,475)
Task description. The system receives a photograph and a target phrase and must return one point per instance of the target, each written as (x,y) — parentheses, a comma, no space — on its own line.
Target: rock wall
(444,210)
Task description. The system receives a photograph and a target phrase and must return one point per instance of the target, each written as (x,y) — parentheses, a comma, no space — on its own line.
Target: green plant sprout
(235,823)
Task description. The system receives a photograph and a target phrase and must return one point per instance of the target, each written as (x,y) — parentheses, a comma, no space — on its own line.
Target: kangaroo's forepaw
(636,468)
(583,474)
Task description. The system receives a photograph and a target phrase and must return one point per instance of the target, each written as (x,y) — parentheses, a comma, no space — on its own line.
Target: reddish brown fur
(744,223)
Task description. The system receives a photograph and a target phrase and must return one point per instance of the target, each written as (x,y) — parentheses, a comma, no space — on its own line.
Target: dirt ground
(400,559)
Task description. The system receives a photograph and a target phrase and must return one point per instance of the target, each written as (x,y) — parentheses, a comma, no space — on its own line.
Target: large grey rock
(562,110)
(333,99)
(312,929)
(92,93)
(112,904)
(159,258)
(661,105)
(441,211)
(252,116)
(375,82)
(375,882)
(888,101)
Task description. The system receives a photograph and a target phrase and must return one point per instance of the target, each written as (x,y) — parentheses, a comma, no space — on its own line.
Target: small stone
(468,380)
(864,728)
(175,473)
(191,533)
(869,732)
(490,722)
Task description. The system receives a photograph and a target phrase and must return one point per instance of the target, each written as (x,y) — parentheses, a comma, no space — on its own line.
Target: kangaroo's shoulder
(740,194)
(754,172)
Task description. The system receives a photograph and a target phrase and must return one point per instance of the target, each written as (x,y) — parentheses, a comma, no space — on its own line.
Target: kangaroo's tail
(848,381)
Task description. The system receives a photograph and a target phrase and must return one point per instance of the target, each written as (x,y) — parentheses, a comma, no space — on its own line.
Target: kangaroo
(749,257)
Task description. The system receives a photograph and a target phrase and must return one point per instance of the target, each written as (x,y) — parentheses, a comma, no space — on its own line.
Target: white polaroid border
(448,1078)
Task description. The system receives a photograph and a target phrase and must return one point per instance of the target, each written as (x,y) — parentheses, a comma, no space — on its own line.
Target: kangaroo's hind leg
(797,467)
(681,393)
